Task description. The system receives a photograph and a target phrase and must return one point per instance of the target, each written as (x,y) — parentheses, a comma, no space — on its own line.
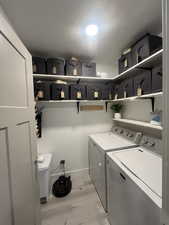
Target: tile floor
(81,207)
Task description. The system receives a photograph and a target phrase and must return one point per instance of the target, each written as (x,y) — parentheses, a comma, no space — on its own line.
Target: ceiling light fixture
(92,30)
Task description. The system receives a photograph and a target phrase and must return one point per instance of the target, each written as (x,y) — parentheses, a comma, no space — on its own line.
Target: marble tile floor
(81,207)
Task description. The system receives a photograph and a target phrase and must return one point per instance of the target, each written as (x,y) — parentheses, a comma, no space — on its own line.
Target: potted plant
(116,108)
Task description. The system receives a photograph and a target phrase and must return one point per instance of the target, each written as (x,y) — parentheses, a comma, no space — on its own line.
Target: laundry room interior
(84,129)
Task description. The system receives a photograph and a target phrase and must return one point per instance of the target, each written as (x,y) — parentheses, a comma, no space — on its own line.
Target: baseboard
(83,171)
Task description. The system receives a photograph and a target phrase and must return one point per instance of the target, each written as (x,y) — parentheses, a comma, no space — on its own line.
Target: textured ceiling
(56,27)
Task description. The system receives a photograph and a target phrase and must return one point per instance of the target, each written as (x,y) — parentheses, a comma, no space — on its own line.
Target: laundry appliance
(119,138)
(134,184)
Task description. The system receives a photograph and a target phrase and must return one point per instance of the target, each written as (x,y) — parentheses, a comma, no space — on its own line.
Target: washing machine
(119,138)
(134,184)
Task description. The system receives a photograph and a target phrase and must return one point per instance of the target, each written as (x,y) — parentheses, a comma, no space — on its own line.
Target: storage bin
(73,67)
(108,92)
(118,90)
(38,65)
(56,66)
(59,92)
(157,78)
(128,89)
(105,92)
(77,92)
(142,83)
(89,69)
(111,91)
(125,62)
(94,92)
(42,90)
(145,47)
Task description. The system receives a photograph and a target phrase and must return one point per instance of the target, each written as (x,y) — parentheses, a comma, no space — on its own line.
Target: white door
(19,197)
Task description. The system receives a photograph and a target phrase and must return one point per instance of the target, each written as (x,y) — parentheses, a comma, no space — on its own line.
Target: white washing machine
(101,143)
(134,184)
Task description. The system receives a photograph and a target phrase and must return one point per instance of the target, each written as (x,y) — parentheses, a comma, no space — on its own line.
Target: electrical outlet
(62,162)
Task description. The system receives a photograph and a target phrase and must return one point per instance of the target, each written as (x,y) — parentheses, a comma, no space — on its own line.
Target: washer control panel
(151,143)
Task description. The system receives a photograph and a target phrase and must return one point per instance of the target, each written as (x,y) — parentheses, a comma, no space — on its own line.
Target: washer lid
(144,165)
(45,164)
(109,141)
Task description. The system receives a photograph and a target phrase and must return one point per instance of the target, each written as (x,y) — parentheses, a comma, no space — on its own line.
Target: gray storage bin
(94,92)
(59,92)
(89,69)
(42,90)
(111,90)
(73,67)
(157,78)
(142,83)
(105,92)
(125,62)
(38,65)
(118,90)
(56,66)
(77,92)
(128,88)
(145,47)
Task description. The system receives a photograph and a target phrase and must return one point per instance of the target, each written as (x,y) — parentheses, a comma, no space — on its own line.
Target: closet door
(19,196)
(165,210)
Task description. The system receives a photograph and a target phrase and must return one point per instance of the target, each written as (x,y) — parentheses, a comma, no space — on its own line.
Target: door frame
(165,139)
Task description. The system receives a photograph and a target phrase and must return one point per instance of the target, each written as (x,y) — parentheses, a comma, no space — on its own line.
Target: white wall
(141,109)
(108,70)
(65,133)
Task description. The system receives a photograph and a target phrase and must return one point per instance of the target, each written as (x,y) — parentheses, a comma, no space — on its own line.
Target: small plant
(116,108)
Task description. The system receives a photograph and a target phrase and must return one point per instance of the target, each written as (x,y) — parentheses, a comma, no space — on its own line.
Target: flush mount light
(92,30)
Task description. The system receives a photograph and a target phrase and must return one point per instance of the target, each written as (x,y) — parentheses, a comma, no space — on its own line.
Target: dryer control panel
(151,143)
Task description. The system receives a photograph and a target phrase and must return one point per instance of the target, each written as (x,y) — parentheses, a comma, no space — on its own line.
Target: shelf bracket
(106,105)
(78,81)
(152,103)
(78,107)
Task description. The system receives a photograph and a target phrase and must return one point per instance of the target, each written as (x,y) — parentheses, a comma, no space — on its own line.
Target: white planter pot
(117,115)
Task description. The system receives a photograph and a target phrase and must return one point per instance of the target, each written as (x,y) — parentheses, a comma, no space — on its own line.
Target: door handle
(36,162)
(99,164)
